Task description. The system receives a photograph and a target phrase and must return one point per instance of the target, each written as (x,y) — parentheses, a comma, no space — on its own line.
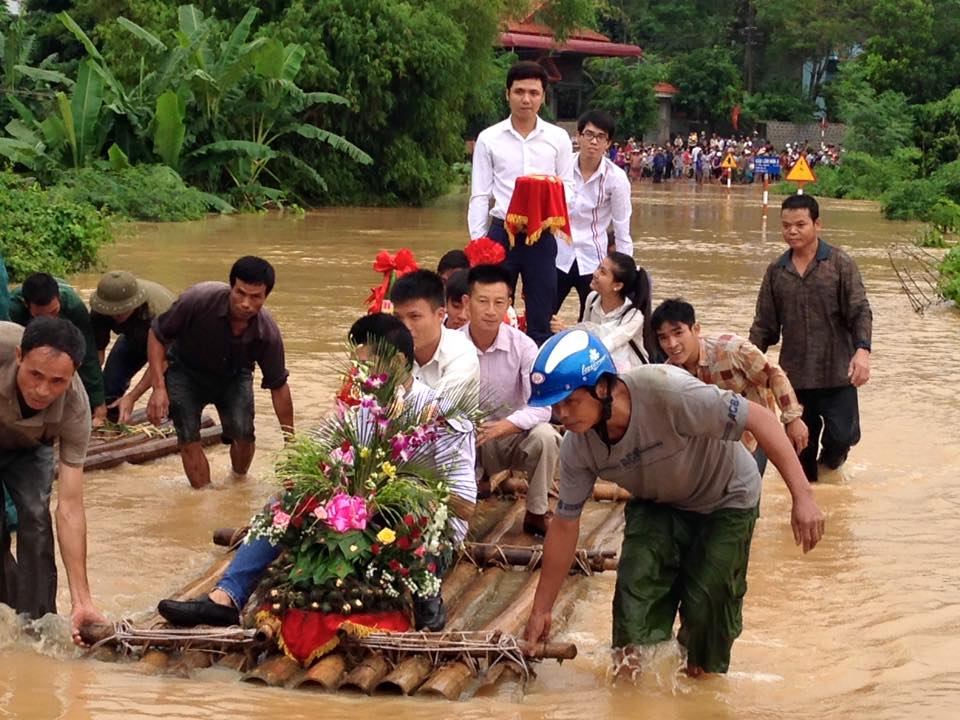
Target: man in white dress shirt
(601,196)
(443,358)
(523,144)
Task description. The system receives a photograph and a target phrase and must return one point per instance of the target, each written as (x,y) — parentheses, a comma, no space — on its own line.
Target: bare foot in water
(626,663)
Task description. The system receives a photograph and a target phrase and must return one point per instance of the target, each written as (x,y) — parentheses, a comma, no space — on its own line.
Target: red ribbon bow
(392,267)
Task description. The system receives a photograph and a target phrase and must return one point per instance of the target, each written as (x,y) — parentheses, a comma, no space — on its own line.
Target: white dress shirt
(501,155)
(602,199)
(453,365)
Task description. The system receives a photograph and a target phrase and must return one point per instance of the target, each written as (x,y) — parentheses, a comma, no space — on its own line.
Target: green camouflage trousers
(674,558)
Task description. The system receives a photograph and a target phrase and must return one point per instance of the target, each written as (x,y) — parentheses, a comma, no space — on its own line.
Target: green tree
(709,84)
(879,123)
(625,89)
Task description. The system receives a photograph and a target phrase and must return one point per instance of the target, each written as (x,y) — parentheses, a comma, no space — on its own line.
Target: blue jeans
(245,570)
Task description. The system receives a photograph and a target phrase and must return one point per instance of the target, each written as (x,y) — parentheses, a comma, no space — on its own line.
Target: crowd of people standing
(696,158)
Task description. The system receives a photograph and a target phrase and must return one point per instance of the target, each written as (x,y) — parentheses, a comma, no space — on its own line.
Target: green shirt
(72,308)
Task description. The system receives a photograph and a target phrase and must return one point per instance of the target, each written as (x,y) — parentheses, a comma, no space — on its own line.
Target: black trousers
(30,584)
(566,281)
(835,413)
(124,361)
(536,265)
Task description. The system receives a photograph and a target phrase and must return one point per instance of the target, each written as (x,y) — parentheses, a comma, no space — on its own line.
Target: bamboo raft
(139,441)
(488,593)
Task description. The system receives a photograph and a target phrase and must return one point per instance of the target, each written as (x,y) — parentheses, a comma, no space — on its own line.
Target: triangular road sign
(729,163)
(801,172)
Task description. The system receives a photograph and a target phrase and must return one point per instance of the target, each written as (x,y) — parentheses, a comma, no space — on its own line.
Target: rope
(129,638)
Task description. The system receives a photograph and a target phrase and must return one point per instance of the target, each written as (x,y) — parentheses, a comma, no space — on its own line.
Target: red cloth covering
(306,635)
(538,204)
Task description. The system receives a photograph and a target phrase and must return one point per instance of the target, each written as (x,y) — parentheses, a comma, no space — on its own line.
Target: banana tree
(70,136)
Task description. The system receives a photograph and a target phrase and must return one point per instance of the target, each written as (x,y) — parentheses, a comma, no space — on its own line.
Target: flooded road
(868,625)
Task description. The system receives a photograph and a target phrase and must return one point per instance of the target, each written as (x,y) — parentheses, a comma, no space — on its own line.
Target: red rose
(409,520)
(404,571)
(375,549)
(403,542)
(432,567)
(415,534)
(424,521)
(393,565)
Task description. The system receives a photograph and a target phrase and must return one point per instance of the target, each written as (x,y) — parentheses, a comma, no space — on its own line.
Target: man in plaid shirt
(732,363)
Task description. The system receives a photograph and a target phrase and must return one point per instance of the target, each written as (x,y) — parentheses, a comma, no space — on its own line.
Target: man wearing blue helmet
(672,441)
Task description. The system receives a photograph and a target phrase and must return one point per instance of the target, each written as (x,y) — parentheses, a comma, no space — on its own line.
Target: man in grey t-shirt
(673,442)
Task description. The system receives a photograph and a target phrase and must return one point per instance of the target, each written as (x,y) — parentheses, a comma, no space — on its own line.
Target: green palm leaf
(145,35)
(85,109)
(335,141)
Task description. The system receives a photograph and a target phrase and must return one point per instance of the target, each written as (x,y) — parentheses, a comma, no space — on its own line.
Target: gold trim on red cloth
(538,203)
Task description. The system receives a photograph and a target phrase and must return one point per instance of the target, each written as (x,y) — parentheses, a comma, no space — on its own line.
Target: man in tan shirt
(41,400)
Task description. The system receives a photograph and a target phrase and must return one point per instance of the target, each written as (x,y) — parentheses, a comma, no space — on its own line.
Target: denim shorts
(190,391)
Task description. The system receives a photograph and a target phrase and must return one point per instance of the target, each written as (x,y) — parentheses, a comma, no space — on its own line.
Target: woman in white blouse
(617,310)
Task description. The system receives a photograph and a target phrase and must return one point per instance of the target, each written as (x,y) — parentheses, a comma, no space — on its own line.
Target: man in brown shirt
(202,351)
(41,400)
(814,297)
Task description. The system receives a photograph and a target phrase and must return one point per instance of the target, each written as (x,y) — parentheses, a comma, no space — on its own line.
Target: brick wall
(780,133)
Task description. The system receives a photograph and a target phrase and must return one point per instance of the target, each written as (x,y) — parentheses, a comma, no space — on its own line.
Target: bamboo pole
(459,585)
(408,675)
(189,661)
(237,661)
(275,671)
(366,676)
(327,673)
(451,680)
(147,451)
(152,662)
(137,438)
(485,555)
(473,598)
(603,490)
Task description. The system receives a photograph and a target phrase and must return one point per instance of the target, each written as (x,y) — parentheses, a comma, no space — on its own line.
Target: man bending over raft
(673,442)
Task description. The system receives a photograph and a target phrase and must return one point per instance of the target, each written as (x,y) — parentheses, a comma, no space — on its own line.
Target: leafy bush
(950,275)
(42,232)
(861,176)
(142,192)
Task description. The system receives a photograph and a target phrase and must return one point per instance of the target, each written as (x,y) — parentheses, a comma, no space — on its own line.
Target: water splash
(662,663)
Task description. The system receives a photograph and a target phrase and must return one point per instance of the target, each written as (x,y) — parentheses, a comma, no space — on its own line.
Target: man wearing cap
(673,443)
(125,305)
(42,400)
(42,294)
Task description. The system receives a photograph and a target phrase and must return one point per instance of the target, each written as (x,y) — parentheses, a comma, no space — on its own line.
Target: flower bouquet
(363,515)
(392,267)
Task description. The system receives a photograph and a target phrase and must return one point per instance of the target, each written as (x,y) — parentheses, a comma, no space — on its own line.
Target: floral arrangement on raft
(363,515)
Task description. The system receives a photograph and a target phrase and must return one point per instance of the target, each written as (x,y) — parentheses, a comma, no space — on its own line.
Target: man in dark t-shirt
(202,351)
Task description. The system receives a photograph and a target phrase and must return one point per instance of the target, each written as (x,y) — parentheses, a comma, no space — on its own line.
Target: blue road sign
(769,164)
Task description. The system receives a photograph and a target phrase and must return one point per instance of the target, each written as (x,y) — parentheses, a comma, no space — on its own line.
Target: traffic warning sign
(729,163)
(801,172)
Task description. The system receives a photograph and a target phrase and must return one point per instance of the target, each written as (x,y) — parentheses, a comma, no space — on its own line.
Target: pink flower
(280,519)
(346,512)
(420,551)
(320,513)
(342,455)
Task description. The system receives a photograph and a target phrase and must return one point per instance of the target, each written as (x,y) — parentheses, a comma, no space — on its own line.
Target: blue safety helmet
(569,360)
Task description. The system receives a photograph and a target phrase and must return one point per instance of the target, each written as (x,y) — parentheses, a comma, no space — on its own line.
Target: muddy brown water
(868,625)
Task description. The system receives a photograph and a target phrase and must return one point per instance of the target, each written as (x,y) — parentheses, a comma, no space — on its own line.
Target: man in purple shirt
(517,436)
(202,351)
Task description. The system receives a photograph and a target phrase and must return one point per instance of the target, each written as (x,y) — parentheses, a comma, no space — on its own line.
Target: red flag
(735,116)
